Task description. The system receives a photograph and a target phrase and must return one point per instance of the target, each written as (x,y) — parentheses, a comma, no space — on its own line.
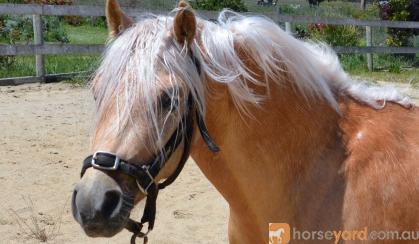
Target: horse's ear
(184,25)
(117,20)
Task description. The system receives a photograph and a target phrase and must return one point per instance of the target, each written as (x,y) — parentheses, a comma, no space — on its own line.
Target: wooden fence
(38,48)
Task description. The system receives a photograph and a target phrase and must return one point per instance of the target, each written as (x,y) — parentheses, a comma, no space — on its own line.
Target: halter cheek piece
(145,172)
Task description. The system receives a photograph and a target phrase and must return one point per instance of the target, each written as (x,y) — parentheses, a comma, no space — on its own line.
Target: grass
(408,76)
(86,34)
(54,64)
(387,68)
(36,225)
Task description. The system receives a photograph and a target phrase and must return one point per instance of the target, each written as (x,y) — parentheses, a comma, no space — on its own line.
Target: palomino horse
(300,142)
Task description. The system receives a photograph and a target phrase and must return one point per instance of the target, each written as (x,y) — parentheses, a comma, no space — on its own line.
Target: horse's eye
(165,101)
(169,101)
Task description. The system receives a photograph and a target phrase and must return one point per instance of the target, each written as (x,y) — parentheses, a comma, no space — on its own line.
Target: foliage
(335,35)
(72,20)
(86,34)
(236,5)
(302,32)
(13,1)
(353,62)
(54,29)
(397,10)
(14,29)
(19,29)
(327,9)
(50,2)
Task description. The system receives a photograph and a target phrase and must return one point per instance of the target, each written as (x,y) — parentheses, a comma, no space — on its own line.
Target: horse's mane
(134,61)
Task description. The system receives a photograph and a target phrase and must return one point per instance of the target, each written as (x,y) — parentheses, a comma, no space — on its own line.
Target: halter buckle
(115,165)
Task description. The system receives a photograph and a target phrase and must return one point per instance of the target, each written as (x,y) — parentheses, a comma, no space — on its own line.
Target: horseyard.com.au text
(280,233)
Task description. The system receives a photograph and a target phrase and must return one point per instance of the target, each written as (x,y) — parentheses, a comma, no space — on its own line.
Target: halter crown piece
(145,172)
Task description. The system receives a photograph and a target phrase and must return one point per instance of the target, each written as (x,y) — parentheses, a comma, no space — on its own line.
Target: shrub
(19,29)
(54,30)
(72,20)
(14,29)
(398,10)
(50,2)
(335,35)
(236,5)
(301,32)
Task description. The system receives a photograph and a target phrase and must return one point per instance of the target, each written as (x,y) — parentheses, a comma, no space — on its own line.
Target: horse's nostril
(73,204)
(110,203)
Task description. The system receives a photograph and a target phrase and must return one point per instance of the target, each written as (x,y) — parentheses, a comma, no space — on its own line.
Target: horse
(275,236)
(274,123)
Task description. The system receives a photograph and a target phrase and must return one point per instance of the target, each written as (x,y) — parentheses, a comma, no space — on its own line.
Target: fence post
(368,35)
(38,41)
(288,28)
(363,4)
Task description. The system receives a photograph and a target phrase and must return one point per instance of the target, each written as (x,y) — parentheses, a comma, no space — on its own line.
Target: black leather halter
(145,172)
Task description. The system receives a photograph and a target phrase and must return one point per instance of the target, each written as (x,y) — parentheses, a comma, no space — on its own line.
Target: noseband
(145,173)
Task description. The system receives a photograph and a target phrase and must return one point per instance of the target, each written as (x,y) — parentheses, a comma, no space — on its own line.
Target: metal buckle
(114,167)
(145,190)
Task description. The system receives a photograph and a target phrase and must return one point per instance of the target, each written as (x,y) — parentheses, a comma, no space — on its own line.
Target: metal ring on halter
(140,235)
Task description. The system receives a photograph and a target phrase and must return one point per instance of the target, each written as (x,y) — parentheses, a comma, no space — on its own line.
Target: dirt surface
(44,136)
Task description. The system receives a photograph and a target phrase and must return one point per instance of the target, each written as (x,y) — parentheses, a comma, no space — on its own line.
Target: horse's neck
(268,165)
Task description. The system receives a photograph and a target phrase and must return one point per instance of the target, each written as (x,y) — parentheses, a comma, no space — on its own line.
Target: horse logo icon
(279,233)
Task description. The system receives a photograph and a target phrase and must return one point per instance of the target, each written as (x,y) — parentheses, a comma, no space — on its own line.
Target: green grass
(54,64)
(23,66)
(86,34)
(386,68)
(407,76)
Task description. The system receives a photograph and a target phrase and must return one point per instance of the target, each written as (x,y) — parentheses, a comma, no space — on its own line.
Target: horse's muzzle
(98,205)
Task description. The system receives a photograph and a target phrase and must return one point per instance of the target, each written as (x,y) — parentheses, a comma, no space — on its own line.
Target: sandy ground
(44,136)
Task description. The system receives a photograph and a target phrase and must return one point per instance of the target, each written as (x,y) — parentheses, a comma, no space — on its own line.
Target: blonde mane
(136,60)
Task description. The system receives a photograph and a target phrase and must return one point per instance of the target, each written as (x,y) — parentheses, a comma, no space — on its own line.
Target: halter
(145,173)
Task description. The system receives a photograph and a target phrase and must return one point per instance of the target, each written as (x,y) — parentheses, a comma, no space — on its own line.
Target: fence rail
(63,10)
(79,10)
(54,49)
(346,21)
(39,48)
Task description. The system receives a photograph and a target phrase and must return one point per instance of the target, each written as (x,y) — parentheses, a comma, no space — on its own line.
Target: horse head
(144,101)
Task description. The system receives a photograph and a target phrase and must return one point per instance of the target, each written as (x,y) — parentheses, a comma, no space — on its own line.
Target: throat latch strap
(205,134)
